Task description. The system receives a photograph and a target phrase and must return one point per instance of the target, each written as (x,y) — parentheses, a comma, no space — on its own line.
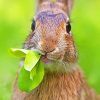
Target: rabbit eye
(68,27)
(33,25)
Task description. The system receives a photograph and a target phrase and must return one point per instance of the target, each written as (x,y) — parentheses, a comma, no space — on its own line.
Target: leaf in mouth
(37,74)
(31,60)
(19,52)
(32,73)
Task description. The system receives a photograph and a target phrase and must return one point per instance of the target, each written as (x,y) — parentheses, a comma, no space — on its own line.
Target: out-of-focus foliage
(15,21)
(86,29)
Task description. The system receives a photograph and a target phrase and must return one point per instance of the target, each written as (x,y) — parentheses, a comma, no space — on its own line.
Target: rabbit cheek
(70,55)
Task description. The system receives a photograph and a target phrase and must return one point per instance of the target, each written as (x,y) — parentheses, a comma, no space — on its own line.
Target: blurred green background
(15,21)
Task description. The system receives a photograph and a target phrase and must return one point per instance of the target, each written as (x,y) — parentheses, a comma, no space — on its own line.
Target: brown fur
(59,86)
(52,39)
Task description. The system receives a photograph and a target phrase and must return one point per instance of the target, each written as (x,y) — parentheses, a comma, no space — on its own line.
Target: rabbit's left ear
(66,5)
(41,1)
(70,5)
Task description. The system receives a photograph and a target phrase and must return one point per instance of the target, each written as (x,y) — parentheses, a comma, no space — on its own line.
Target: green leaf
(31,60)
(19,52)
(33,73)
(36,70)
(24,81)
(38,77)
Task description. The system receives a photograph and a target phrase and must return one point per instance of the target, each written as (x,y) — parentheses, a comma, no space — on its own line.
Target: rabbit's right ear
(41,1)
(66,5)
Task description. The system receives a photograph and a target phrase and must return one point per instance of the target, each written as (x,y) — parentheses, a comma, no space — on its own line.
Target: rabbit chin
(58,66)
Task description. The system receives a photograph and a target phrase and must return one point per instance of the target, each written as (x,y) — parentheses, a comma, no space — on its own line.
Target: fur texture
(59,86)
(63,79)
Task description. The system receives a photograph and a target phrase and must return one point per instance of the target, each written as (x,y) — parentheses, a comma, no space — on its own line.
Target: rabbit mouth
(45,59)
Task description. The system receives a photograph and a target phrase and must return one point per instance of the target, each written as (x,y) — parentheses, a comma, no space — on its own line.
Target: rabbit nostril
(48,48)
(48,51)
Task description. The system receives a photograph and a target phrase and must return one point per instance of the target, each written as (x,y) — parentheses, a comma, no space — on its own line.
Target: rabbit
(51,36)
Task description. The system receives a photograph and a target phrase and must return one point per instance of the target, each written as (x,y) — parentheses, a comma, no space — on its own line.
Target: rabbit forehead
(50,16)
(51,23)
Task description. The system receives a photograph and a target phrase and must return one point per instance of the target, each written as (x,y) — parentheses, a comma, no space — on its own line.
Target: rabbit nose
(48,46)
(48,49)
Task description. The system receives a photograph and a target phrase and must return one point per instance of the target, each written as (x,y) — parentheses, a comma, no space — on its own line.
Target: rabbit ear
(41,1)
(67,5)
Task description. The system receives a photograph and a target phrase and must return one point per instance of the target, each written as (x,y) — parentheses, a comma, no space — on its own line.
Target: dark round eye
(33,25)
(68,27)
